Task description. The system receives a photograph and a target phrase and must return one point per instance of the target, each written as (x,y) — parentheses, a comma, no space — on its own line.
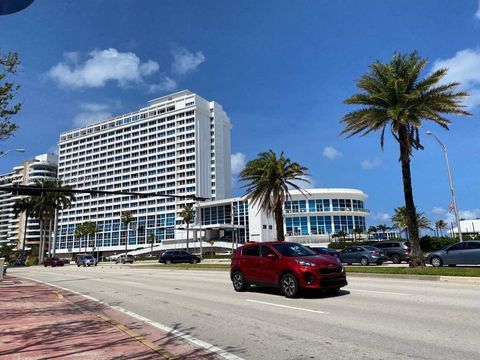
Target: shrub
(431,243)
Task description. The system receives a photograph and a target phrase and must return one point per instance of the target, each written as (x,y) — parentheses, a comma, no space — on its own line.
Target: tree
(374,230)
(151,241)
(269,179)
(441,225)
(79,233)
(89,229)
(400,220)
(187,215)
(394,97)
(24,205)
(9,63)
(357,231)
(127,218)
(383,228)
(46,209)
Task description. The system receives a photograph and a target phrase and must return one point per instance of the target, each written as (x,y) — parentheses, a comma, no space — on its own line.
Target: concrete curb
(450,279)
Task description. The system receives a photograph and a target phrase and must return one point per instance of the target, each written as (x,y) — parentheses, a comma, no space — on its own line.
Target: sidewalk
(40,322)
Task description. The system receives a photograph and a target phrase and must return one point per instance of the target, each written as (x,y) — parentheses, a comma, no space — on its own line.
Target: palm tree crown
(393,97)
(269,179)
(187,215)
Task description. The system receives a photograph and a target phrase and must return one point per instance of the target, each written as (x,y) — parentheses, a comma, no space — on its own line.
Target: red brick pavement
(40,322)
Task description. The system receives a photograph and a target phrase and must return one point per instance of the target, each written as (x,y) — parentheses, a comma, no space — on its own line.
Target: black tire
(238,281)
(396,259)
(379,262)
(436,261)
(364,261)
(452,265)
(78,265)
(45,265)
(349,264)
(168,261)
(289,286)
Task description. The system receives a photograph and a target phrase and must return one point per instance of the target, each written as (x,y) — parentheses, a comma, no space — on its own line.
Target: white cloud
(331,153)
(166,84)
(464,68)
(185,61)
(101,67)
(90,117)
(371,164)
(238,163)
(380,217)
(438,210)
(463,214)
(477,13)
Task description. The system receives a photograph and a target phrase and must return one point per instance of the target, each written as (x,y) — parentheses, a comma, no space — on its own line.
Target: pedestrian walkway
(40,322)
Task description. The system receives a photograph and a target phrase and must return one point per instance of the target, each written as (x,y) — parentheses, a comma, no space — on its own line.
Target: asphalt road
(370,319)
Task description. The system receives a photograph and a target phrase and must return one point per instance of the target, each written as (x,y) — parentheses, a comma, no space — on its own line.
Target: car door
(456,254)
(250,263)
(473,253)
(356,254)
(268,270)
(346,255)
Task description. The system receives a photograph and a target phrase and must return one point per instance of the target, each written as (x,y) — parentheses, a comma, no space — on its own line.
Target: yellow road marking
(155,347)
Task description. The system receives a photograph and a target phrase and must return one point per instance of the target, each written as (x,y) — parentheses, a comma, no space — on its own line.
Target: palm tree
(79,233)
(47,207)
(373,229)
(187,215)
(383,229)
(357,231)
(89,229)
(269,178)
(394,97)
(400,220)
(127,218)
(25,205)
(441,225)
(151,241)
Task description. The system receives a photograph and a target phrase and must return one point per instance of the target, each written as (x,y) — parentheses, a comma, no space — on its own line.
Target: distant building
(310,218)
(385,235)
(469,227)
(178,145)
(12,228)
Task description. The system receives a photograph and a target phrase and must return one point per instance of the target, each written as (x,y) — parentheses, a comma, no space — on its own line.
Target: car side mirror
(272,256)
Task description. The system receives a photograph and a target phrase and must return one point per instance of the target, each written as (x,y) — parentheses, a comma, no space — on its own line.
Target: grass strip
(185,266)
(443,271)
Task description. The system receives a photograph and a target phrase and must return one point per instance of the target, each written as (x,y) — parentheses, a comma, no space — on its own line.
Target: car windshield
(88,257)
(293,250)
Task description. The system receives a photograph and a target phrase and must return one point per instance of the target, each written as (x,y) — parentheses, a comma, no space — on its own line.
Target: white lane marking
(209,348)
(286,306)
(379,292)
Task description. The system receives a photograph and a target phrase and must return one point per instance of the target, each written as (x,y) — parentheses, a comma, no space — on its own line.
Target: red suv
(53,261)
(287,265)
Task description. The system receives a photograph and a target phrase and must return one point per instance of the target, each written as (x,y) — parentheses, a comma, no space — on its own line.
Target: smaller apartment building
(310,218)
(13,228)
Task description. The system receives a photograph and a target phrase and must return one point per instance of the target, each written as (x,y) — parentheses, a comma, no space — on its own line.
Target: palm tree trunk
(187,236)
(25,233)
(416,256)
(279,223)
(40,243)
(50,241)
(55,227)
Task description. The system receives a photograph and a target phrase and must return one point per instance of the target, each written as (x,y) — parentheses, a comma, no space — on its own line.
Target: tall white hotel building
(178,145)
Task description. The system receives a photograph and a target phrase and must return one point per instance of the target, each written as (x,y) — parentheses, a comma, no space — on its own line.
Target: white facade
(178,145)
(310,218)
(12,228)
(469,227)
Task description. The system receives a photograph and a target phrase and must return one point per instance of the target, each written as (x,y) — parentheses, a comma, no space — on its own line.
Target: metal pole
(454,201)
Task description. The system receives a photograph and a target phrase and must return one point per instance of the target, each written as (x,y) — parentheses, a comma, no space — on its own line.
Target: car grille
(336,281)
(327,271)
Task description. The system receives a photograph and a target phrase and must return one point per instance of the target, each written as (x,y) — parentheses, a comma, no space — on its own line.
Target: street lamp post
(454,201)
(3,153)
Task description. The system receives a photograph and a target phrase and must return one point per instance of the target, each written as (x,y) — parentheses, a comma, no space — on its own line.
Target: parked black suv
(177,256)
(397,251)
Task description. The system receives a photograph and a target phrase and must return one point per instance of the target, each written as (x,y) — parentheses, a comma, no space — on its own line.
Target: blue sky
(281,69)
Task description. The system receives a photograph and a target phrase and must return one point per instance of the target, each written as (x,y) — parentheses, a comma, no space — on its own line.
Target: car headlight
(305,263)
(339,262)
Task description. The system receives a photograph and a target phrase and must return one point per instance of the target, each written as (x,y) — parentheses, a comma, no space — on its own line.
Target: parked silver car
(364,255)
(86,260)
(462,253)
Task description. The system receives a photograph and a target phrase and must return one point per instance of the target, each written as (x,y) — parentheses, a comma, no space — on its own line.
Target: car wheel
(349,264)
(396,259)
(123,262)
(168,261)
(45,265)
(194,261)
(364,261)
(78,265)
(238,281)
(379,262)
(436,261)
(289,286)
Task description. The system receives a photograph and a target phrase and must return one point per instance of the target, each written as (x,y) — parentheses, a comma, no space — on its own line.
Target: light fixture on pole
(454,201)
(3,153)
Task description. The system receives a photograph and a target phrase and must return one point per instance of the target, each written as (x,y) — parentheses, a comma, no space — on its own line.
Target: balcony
(338,209)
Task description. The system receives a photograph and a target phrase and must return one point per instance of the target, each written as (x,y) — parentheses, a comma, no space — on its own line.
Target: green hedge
(431,243)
